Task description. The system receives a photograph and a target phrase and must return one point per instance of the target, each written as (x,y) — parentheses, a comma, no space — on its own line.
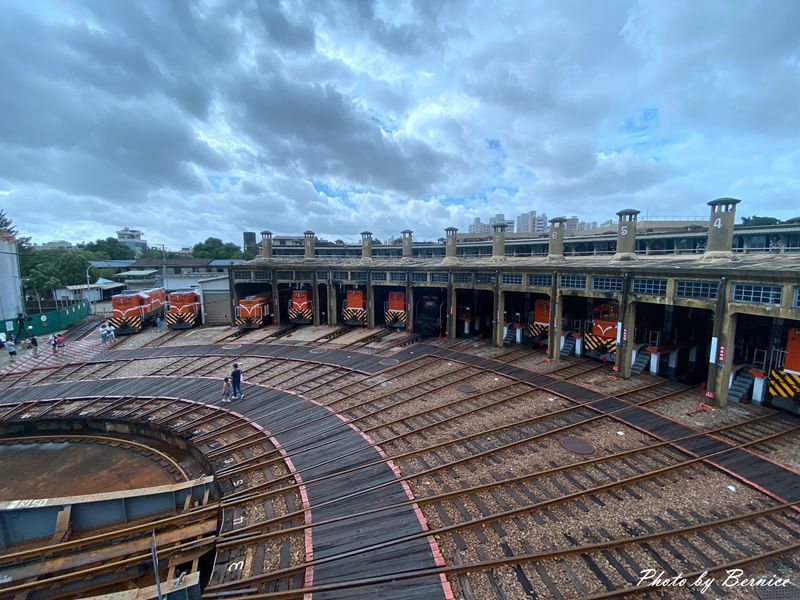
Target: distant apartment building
(478,227)
(571,225)
(531,222)
(501,218)
(56,245)
(132,238)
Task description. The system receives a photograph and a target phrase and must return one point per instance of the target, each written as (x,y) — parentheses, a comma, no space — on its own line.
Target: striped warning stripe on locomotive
(783,384)
(354,314)
(133,322)
(244,321)
(175,318)
(537,329)
(300,313)
(395,315)
(595,342)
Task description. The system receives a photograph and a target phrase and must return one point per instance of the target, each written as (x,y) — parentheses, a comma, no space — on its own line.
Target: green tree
(43,277)
(109,249)
(216,248)
(756,220)
(6,224)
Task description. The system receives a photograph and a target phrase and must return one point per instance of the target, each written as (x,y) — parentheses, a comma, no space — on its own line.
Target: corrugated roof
(137,273)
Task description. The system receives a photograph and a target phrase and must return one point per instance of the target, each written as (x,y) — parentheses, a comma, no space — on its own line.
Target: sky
(190,119)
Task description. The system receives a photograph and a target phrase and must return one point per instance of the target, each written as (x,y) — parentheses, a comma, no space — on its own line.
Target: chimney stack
(720,229)
(558,226)
(626,235)
(407,241)
(266,244)
(450,244)
(498,242)
(309,245)
(366,245)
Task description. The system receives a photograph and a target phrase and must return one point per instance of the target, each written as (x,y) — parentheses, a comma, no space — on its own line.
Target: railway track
(503,498)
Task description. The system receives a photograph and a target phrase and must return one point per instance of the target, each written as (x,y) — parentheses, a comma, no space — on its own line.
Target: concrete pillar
(276,304)
(309,245)
(554,328)
(692,358)
(759,385)
(370,306)
(408,250)
(409,308)
(721,352)
(333,305)
(452,312)
(720,229)
(366,245)
(315,300)
(498,320)
(450,244)
(266,244)
(498,242)
(578,344)
(626,235)
(672,365)
(558,227)
(625,354)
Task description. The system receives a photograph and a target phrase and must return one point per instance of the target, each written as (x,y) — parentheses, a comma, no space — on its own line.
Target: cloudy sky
(191,119)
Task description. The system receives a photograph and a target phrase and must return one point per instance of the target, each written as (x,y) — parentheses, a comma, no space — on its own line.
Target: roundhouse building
(720,305)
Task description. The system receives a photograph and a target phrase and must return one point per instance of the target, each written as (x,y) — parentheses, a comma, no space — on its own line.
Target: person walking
(12,349)
(112,335)
(52,341)
(158,323)
(35,346)
(60,340)
(226,389)
(103,334)
(236,382)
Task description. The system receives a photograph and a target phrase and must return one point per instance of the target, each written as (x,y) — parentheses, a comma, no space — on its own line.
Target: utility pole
(164,265)
(88,291)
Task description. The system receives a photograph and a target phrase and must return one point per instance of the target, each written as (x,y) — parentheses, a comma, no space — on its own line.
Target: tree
(215,248)
(755,220)
(6,224)
(109,249)
(43,277)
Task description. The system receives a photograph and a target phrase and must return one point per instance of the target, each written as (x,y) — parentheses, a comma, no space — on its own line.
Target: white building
(531,222)
(10,282)
(501,218)
(132,238)
(478,227)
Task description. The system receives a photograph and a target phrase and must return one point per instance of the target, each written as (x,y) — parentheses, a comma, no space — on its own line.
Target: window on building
(607,284)
(419,277)
(484,278)
(284,275)
(511,278)
(339,275)
(379,276)
(307,275)
(440,277)
(653,287)
(540,280)
(797,297)
(262,274)
(462,277)
(242,274)
(358,275)
(397,276)
(177,270)
(697,289)
(756,293)
(573,282)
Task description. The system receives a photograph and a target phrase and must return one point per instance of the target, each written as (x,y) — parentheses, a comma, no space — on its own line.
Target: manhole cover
(577,445)
(389,361)
(465,387)
(231,347)
(317,350)
(788,592)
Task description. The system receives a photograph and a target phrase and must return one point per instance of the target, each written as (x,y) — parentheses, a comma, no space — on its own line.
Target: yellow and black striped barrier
(599,344)
(784,385)
(537,329)
(123,325)
(395,318)
(300,315)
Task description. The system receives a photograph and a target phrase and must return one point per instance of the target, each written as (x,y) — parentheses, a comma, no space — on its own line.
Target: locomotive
(254,311)
(539,320)
(784,380)
(184,310)
(354,311)
(132,310)
(429,317)
(300,310)
(603,336)
(394,310)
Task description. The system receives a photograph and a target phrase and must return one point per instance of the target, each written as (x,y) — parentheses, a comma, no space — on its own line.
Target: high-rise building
(132,238)
(572,225)
(531,222)
(477,227)
(248,240)
(501,218)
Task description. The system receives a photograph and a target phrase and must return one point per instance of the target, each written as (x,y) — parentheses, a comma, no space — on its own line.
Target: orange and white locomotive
(394,310)
(603,336)
(254,311)
(354,311)
(300,308)
(131,311)
(539,319)
(184,310)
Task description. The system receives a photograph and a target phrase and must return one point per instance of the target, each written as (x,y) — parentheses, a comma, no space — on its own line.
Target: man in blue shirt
(236,382)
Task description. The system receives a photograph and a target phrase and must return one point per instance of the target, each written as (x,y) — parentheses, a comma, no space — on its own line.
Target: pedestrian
(112,335)
(60,340)
(53,343)
(12,349)
(158,322)
(226,389)
(236,382)
(35,346)
(103,334)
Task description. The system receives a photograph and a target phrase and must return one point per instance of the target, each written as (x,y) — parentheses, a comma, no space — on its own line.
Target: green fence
(48,322)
